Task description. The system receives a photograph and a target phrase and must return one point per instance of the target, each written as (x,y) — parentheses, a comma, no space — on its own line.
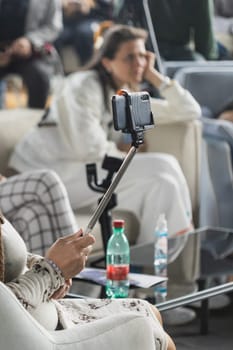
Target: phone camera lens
(145,97)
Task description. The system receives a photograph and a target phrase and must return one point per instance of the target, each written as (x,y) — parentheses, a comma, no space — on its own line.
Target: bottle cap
(118,223)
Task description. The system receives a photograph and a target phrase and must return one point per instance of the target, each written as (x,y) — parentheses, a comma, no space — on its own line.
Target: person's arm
(38,32)
(178,104)
(84,120)
(21,47)
(48,29)
(36,285)
(71,7)
(64,259)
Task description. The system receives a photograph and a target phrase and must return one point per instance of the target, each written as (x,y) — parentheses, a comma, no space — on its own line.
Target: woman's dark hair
(113,38)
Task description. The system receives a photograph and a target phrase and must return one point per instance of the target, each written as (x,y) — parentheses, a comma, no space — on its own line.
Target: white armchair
(182,140)
(19,330)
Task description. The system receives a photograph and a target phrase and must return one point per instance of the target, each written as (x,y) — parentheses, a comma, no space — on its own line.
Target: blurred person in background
(184,29)
(27,30)
(81,18)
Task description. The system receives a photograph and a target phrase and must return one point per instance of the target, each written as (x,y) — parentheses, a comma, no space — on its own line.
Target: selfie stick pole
(105,199)
(150,29)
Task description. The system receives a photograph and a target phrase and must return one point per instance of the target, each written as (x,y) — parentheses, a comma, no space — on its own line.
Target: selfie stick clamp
(112,165)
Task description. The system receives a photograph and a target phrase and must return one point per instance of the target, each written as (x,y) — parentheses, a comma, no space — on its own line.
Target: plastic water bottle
(117,262)
(160,257)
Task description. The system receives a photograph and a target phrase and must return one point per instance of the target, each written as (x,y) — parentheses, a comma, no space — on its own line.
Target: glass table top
(216,253)
(215,260)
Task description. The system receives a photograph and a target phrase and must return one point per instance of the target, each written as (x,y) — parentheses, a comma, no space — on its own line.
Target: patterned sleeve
(37,285)
(32,259)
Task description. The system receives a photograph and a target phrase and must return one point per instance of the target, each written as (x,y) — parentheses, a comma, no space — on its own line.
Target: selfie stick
(136,128)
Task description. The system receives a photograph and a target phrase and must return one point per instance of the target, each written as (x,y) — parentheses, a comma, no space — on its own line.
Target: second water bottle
(160,257)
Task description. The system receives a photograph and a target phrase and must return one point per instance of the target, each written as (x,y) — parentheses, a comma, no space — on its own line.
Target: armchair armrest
(14,123)
(21,331)
(121,331)
(216,192)
(219,130)
(182,140)
(217,177)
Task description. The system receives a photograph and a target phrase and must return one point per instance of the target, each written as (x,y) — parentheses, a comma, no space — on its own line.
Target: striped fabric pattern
(37,205)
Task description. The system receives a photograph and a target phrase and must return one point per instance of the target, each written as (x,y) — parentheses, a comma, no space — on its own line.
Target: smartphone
(132,111)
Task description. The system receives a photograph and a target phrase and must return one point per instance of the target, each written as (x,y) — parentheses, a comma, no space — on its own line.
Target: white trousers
(153,184)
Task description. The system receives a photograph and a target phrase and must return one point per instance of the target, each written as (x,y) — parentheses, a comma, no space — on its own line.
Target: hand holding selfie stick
(131,114)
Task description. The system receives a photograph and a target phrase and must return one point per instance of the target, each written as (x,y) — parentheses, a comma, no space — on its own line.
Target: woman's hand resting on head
(70,253)
(151,74)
